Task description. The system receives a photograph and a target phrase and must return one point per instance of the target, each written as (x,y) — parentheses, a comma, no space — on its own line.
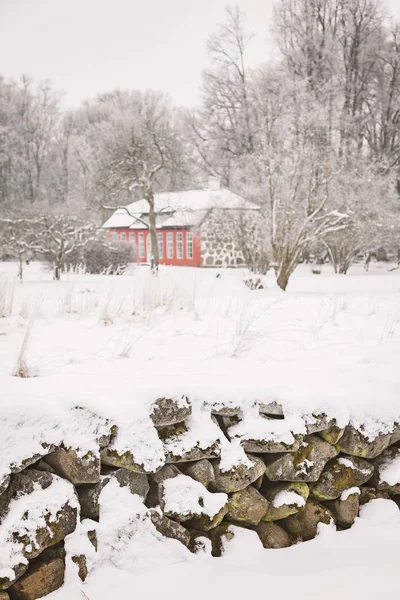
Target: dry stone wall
(282,488)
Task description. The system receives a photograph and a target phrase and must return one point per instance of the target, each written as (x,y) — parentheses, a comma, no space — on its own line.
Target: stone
(80,561)
(316,423)
(272,536)
(184,499)
(166,472)
(332,435)
(355,443)
(383,479)
(395,435)
(304,524)
(269,446)
(369,493)
(126,460)
(19,570)
(285,499)
(27,481)
(77,469)
(169,528)
(341,474)
(346,510)
(237,478)
(92,536)
(180,446)
(169,411)
(89,494)
(225,411)
(57,524)
(205,522)
(40,580)
(4,483)
(42,465)
(201,470)
(28,461)
(305,465)
(247,507)
(219,536)
(4,596)
(270,409)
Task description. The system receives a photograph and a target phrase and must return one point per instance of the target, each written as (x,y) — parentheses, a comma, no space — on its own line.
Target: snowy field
(329,344)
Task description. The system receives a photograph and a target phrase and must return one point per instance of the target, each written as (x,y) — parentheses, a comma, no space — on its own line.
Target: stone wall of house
(218,243)
(281,490)
(220,237)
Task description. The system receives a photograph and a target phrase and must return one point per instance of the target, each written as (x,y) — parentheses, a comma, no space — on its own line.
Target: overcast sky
(89,46)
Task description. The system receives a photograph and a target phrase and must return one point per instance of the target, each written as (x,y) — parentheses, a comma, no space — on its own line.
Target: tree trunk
(57,272)
(283,277)
(153,235)
(20,267)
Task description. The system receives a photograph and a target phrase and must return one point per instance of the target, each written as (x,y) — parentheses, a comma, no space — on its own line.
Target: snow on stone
(288,497)
(185,496)
(232,455)
(346,463)
(127,539)
(390,472)
(255,427)
(26,515)
(28,432)
(349,492)
(202,433)
(139,437)
(350,465)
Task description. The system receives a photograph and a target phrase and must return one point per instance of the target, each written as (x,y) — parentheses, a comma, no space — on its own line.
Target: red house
(192,227)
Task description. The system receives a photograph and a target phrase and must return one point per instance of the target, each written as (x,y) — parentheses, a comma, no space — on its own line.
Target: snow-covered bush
(101,256)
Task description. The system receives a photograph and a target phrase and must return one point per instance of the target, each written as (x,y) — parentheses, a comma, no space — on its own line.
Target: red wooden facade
(175,246)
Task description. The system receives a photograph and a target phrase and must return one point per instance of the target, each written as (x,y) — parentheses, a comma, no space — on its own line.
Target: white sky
(90,46)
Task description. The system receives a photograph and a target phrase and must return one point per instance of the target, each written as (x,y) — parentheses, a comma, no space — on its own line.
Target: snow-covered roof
(178,209)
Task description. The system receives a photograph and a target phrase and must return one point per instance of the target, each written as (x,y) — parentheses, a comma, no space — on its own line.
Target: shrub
(102,257)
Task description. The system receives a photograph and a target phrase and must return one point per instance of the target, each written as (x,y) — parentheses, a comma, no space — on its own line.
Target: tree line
(312,135)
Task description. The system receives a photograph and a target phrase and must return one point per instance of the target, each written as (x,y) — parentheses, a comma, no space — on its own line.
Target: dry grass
(22,368)
(7,289)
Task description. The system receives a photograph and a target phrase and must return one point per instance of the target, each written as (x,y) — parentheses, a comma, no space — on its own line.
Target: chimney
(214,183)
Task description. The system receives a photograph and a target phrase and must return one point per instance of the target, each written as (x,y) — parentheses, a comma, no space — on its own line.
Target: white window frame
(170,244)
(160,244)
(142,253)
(179,245)
(122,237)
(132,238)
(189,244)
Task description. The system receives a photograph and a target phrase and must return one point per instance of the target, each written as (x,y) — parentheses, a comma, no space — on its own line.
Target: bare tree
(53,237)
(142,157)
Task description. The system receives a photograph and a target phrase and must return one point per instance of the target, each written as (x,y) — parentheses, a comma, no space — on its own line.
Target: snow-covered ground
(329,344)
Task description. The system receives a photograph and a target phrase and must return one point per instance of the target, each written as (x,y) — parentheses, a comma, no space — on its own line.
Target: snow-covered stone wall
(187,472)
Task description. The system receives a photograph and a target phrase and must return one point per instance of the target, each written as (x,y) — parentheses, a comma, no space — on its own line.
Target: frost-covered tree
(145,154)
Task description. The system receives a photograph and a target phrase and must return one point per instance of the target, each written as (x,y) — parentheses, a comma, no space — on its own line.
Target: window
(179,245)
(160,244)
(114,236)
(132,238)
(170,245)
(122,237)
(189,244)
(141,246)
